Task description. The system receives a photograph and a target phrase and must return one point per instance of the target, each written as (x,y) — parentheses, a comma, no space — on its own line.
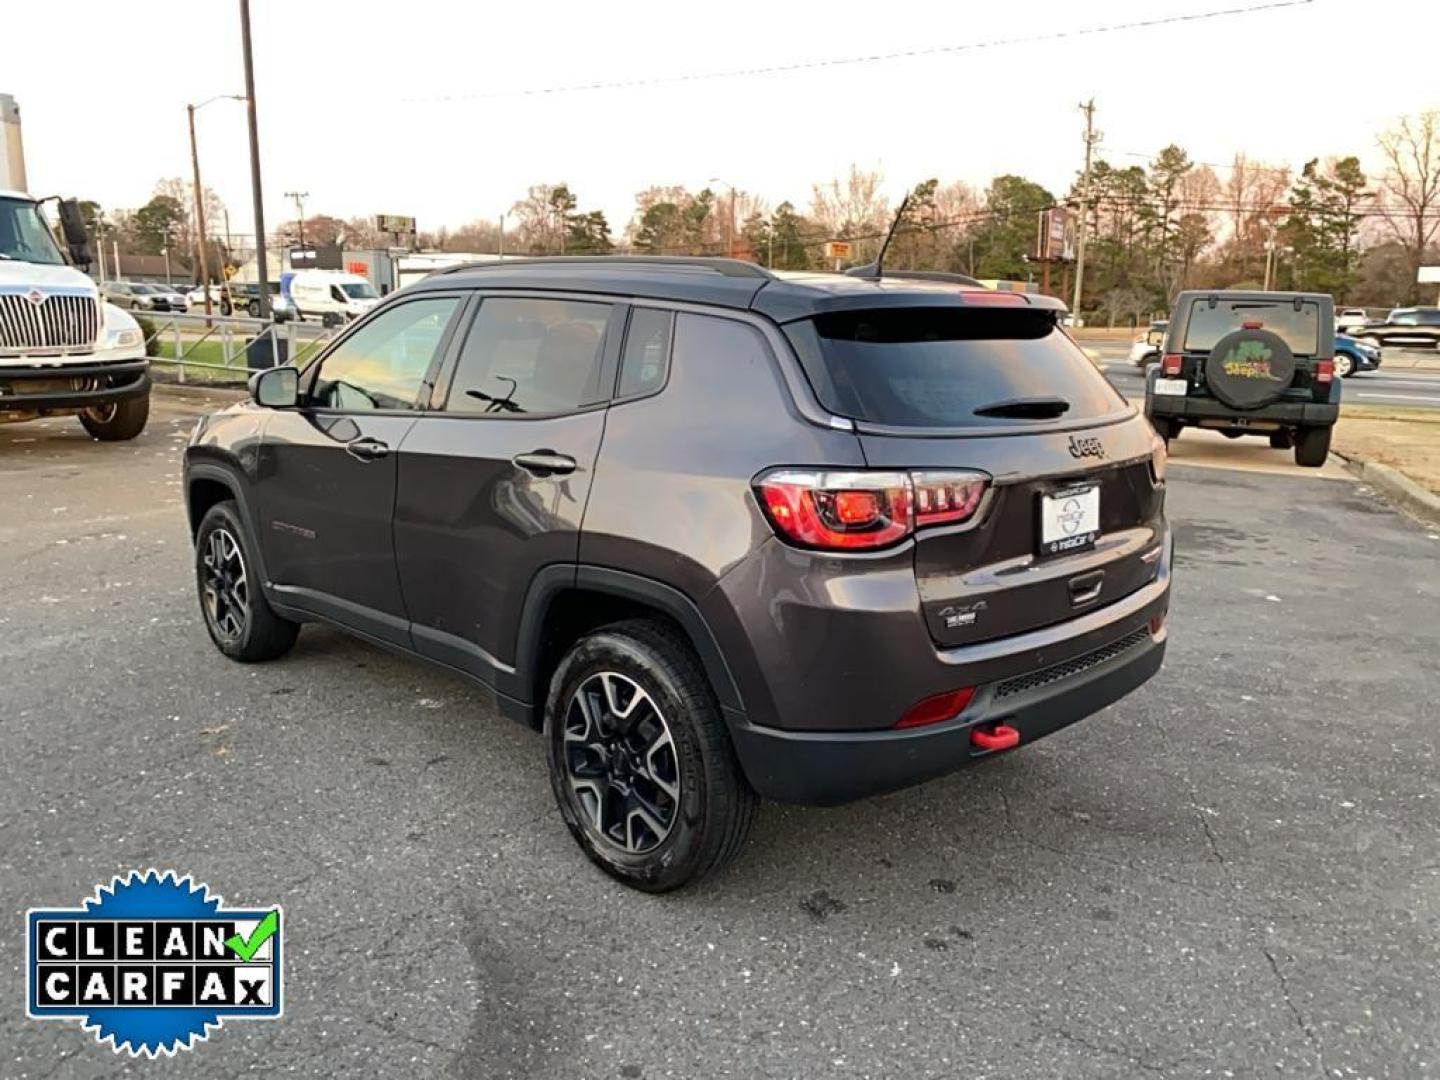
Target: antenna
(876,269)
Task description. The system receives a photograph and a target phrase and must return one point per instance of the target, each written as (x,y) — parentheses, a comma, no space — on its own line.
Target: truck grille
(1070,668)
(60,322)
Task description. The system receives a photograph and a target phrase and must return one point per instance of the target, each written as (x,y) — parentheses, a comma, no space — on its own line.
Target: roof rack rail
(717,264)
(868,271)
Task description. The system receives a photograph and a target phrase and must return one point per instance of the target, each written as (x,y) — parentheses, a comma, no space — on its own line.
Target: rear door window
(1298,328)
(531,356)
(950,367)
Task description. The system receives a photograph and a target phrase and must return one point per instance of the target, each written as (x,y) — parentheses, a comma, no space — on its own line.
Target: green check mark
(246,948)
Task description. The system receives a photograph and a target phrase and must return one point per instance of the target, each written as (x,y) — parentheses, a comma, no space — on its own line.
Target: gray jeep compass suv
(718,532)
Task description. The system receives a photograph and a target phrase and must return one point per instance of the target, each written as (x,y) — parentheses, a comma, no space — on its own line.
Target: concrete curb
(169,388)
(1418,502)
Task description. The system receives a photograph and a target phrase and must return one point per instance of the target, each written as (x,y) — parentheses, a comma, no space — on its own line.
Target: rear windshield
(1300,329)
(934,367)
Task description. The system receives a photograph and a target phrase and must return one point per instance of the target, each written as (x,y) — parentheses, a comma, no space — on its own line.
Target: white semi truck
(63,350)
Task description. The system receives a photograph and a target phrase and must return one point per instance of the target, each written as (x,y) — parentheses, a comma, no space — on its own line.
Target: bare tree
(852,206)
(1411,185)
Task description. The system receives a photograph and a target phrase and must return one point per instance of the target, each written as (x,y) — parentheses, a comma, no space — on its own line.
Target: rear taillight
(1170,365)
(844,510)
(937,709)
(1324,370)
(860,509)
(945,498)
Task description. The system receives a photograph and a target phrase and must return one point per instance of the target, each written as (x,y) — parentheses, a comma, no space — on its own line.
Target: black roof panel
(730,283)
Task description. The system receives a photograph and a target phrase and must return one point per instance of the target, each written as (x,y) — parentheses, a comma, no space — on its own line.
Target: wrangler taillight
(861,509)
(1170,365)
(1324,370)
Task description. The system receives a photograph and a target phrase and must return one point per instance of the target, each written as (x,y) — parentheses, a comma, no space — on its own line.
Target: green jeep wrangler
(1249,363)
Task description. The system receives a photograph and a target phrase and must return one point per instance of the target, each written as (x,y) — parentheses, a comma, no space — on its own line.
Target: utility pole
(199,210)
(1091,138)
(502,236)
(261,271)
(299,197)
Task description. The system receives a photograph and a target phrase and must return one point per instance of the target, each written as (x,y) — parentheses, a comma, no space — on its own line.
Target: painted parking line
(1429,399)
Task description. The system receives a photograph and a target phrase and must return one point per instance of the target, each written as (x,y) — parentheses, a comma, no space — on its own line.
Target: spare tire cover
(1249,368)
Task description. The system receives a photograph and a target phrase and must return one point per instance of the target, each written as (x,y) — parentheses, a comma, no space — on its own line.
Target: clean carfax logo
(152,962)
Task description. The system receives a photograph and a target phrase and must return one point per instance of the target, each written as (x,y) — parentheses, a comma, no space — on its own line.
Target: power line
(870,58)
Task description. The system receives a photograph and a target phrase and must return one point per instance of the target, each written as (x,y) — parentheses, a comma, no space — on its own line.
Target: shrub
(152,339)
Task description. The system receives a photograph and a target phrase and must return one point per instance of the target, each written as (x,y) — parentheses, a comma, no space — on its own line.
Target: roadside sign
(838,249)
(394,223)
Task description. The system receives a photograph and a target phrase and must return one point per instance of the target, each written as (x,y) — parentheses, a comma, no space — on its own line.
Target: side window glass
(647,352)
(381,365)
(530,356)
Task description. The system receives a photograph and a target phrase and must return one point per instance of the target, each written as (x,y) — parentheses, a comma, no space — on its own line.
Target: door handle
(367,449)
(544,463)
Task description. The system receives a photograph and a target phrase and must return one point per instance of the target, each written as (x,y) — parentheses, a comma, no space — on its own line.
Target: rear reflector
(934,710)
(1171,364)
(1324,371)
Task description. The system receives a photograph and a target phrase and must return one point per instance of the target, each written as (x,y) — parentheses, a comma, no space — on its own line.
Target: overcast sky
(411,107)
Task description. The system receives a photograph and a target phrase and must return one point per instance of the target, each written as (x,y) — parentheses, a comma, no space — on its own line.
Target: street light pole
(260,269)
(200,197)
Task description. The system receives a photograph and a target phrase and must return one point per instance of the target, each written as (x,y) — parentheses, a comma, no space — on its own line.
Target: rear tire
(253,309)
(640,759)
(1282,440)
(118,421)
(1312,446)
(241,622)
(1344,366)
(1166,428)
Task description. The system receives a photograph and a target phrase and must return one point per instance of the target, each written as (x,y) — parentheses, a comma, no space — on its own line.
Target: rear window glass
(1299,329)
(934,367)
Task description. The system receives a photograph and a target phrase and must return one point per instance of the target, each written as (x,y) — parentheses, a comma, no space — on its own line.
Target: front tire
(1312,446)
(253,309)
(240,620)
(640,759)
(119,420)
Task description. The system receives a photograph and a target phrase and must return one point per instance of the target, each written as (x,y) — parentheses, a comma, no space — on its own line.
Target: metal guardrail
(185,332)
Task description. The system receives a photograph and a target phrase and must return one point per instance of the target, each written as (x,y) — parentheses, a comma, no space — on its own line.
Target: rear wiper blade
(1027,408)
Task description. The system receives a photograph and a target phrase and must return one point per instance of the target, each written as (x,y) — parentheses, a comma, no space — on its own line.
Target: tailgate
(1013,569)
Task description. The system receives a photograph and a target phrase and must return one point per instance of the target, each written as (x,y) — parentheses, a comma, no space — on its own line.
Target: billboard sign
(1055,235)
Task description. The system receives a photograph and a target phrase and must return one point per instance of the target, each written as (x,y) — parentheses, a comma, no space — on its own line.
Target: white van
(331,296)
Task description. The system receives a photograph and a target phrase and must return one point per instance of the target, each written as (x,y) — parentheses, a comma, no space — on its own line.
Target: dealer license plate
(1069,519)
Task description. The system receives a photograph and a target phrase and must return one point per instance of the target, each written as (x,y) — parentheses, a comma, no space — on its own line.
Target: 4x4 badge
(1088,446)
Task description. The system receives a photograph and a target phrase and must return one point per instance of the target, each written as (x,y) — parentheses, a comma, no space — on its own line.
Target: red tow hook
(1000,737)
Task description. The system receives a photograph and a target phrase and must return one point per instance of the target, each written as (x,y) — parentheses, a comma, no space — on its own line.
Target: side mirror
(77,239)
(276,388)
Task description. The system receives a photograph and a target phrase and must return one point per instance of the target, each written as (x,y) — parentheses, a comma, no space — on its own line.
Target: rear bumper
(1046,680)
(827,768)
(66,387)
(1299,413)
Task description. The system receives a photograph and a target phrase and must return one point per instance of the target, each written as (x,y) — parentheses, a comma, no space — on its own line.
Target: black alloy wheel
(621,763)
(225,586)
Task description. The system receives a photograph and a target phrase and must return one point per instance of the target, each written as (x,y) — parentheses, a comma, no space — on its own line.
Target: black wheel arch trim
(553,580)
(205,470)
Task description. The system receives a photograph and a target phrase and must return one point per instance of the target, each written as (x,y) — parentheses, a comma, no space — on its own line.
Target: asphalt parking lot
(1234,872)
